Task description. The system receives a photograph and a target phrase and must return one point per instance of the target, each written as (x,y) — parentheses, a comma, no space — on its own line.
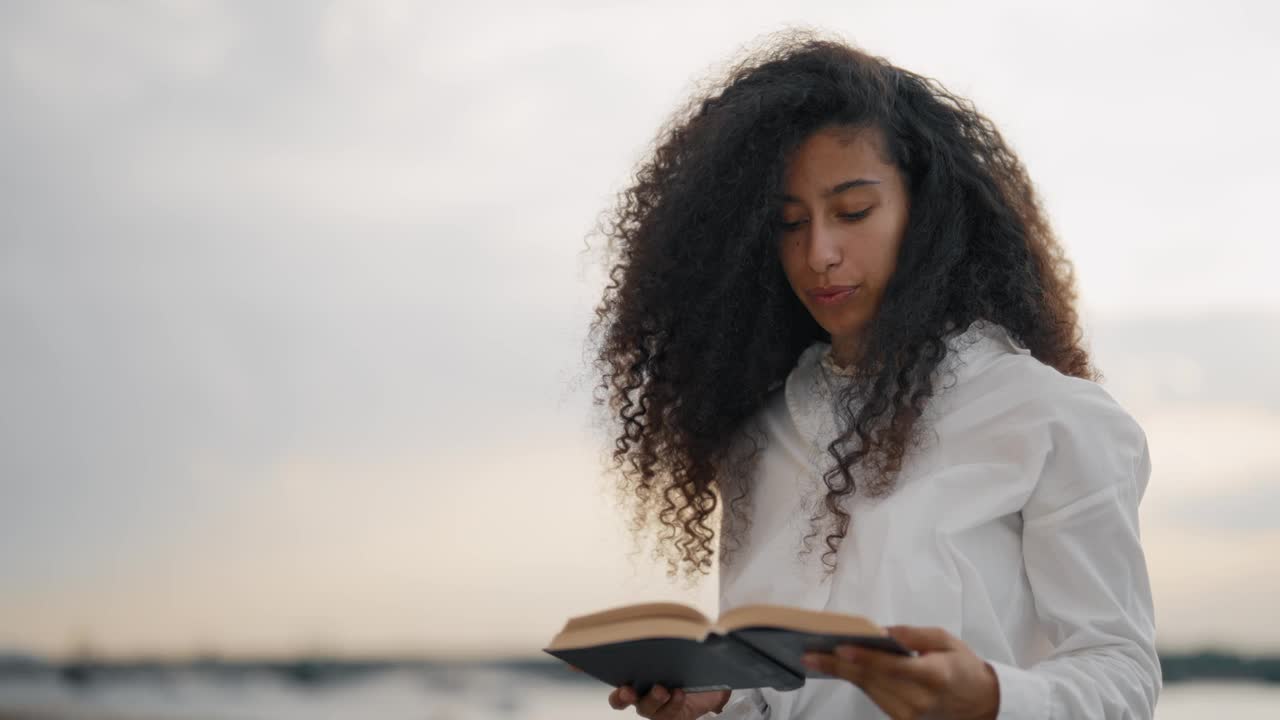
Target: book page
(628,631)
(674,611)
(793,618)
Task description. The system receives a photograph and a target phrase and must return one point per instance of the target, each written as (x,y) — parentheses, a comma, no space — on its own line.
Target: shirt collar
(811,387)
(979,332)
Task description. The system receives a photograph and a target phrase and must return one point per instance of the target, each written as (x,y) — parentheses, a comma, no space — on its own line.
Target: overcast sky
(293,298)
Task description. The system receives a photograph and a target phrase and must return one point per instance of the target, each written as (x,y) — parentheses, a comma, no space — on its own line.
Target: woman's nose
(824,248)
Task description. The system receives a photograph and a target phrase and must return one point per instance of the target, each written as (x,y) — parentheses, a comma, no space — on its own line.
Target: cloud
(1214,589)
(1235,512)
(367,553)
(1207,450)
(1220,357)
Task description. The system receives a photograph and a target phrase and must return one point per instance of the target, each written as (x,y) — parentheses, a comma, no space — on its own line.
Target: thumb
(923,639)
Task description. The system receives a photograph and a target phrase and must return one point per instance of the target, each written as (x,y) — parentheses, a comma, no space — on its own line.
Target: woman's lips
(832,294)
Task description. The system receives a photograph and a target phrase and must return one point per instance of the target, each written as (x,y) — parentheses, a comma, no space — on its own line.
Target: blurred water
(414,695)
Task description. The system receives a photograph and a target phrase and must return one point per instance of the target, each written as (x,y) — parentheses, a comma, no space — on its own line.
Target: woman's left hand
(946,681)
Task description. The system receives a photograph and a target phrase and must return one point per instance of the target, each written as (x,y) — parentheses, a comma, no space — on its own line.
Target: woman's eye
(788,226)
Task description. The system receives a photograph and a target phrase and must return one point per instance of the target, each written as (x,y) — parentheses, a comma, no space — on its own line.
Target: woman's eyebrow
(838,188)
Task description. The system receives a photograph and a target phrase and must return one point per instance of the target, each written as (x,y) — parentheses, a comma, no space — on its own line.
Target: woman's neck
(845,352)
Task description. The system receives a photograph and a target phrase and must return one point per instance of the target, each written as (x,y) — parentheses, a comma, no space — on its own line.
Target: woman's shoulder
(1004,370)
(1038,395)
(1070,433)
(1042,390)
(1090,448)
(1004,391)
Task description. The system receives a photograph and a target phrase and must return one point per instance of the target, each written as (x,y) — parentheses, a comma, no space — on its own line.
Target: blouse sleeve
(1087,572)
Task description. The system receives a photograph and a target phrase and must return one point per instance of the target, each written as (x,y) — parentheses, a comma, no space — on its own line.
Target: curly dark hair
(697,324)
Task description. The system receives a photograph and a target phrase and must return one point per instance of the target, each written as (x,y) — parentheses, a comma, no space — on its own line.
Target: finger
(674,706)
(873,659)
(848,659)
(835,666)
(863,669)
(621,697)
(575,668)
(653,701)
(926,669)
(924,639)
(899,696)
(934,671)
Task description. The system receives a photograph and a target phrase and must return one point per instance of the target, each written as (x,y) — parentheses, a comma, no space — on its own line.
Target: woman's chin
(842,331)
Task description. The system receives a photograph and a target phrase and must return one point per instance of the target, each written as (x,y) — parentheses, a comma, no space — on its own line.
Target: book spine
(758,652)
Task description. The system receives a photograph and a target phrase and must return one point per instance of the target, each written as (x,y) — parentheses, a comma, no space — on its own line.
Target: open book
(678,647)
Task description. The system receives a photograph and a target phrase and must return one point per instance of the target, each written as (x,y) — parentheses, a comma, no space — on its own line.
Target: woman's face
(843,214)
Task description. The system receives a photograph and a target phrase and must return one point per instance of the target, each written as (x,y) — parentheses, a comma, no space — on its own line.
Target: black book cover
(746,658)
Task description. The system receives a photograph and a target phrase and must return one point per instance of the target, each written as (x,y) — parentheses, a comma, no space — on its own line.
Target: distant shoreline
(315,670)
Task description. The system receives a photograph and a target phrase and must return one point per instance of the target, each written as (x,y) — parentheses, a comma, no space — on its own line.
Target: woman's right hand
(661,704)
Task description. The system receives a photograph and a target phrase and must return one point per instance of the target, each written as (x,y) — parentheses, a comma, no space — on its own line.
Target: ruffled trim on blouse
(829,364)
(814,382)
(956,343)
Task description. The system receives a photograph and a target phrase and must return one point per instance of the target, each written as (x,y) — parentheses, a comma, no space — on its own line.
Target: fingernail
(660,694)
(810,661)
(848,652)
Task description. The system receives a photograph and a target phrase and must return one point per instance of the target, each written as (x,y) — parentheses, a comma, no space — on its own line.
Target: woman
(837,307)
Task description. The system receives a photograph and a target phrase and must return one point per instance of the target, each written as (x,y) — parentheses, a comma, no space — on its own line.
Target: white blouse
(1015,528)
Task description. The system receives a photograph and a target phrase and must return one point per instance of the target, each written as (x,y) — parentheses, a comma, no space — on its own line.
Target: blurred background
(293,295)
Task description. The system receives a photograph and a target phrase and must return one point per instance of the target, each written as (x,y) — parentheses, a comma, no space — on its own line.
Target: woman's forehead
(833,161)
